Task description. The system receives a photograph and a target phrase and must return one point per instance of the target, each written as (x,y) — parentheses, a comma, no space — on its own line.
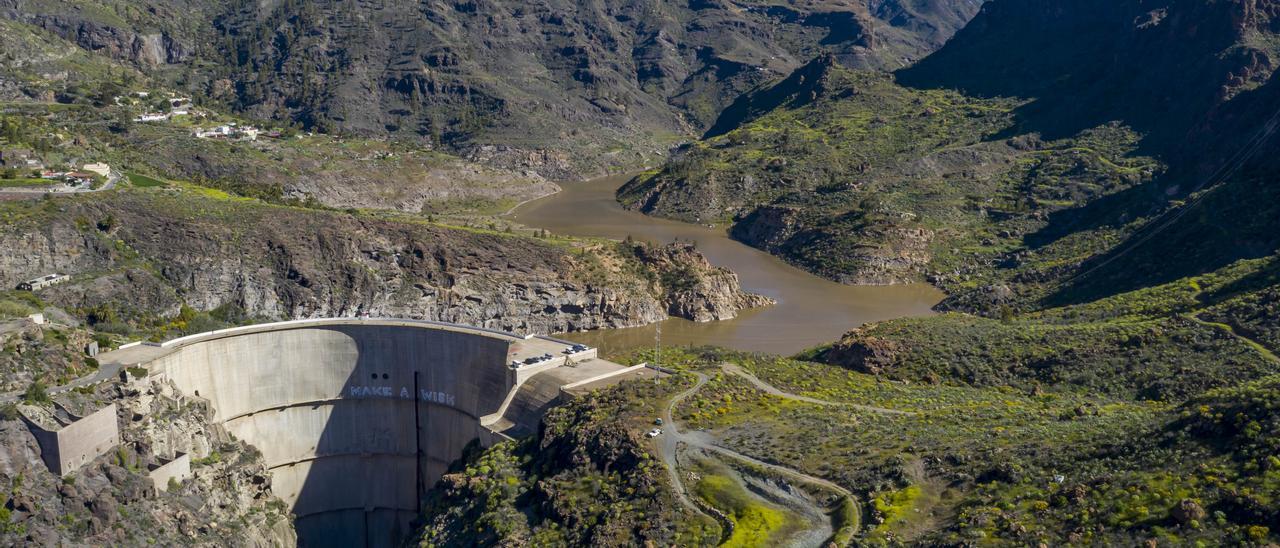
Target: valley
(848,273)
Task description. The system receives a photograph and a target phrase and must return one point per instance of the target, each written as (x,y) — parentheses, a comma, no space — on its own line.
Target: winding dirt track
(674,436)
(734,369)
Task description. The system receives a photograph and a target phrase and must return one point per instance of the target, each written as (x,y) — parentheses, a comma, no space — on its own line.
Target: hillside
(961,171)
(1093,183)
(517,85)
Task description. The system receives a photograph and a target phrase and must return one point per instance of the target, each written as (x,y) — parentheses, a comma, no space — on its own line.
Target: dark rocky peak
(803,86)
(1160,67)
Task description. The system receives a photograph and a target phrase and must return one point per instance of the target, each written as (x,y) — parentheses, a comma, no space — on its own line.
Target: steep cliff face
(149,35)
(1162,68)
(693,288)
(111,501)
(163,249)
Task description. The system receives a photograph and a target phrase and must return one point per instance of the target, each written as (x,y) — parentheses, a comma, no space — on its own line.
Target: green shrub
(36,393)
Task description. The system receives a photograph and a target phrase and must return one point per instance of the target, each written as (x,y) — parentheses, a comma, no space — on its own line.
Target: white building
(43,282)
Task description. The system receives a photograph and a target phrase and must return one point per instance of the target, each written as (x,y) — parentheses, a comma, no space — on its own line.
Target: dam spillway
(357,419)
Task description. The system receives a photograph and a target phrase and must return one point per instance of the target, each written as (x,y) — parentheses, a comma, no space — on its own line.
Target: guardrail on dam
(357,419)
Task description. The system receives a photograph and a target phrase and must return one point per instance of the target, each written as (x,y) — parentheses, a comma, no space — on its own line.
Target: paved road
(62,189)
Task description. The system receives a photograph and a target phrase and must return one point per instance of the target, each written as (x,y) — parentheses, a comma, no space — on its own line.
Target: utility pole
(657,356)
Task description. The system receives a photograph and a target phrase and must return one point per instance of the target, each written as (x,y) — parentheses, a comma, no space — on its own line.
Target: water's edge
(810,310)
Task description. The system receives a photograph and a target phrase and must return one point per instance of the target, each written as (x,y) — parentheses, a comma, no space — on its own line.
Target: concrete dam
(358,418)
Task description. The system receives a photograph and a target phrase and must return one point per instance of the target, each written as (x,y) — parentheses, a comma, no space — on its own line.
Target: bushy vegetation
(859,179)
(948,464)
(585,479)
(754,523)
(1148,344)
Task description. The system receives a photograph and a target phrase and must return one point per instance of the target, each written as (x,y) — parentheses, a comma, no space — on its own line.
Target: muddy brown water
(810,310)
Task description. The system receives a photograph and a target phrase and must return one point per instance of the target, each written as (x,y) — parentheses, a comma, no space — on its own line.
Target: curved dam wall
(355,419)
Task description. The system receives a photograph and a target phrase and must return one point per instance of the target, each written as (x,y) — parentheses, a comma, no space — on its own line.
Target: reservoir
(810,310)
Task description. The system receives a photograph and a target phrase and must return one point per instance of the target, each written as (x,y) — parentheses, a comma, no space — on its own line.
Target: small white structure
(42,282)
(152,117)
(37,318)
(230,131)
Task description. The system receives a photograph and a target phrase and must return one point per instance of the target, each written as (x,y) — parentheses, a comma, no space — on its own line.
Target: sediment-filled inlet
(357,419)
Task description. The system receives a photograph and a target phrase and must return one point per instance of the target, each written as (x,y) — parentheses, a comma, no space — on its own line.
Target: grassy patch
(755,523)
(23,183)
(894,509)
(142,181)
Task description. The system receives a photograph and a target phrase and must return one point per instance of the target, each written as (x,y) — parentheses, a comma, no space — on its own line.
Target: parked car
(654,433)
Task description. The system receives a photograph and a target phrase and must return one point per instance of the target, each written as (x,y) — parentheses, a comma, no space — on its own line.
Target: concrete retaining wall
(67,449)
(177,469)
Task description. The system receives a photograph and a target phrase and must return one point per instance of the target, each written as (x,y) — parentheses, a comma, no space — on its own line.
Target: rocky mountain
(1194,79)
(1094,184)
(564,88)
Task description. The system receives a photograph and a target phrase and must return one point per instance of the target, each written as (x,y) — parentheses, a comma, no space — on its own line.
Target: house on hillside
(42,282)
(79,178)
(229,131)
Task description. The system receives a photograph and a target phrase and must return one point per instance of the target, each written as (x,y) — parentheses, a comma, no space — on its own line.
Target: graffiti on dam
(366,391)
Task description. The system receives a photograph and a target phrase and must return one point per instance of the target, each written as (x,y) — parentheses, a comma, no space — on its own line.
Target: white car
(654,433)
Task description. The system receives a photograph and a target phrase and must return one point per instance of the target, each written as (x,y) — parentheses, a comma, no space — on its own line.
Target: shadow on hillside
(1090,65)
(1158,72)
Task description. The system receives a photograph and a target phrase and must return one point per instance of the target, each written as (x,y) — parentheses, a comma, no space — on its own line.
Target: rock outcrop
(87,29)
(111,500)
(169,249)
(29,351)
(693,288)
(862,351)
